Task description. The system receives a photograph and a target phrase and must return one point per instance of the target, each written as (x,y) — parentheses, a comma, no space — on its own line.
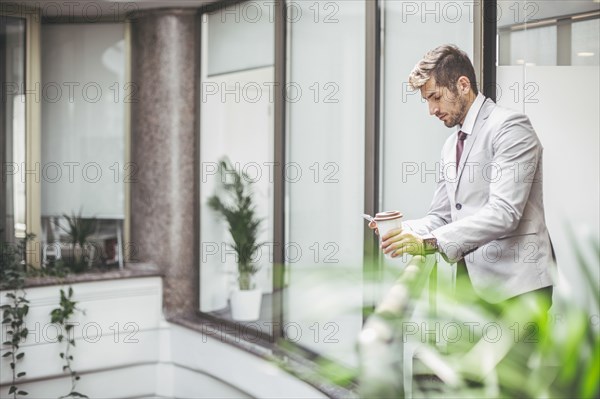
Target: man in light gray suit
(487,212)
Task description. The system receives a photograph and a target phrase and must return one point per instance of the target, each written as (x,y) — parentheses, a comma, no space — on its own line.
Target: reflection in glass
(236,121)
(12,125)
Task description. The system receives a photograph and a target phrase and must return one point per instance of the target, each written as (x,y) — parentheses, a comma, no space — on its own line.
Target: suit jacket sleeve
(516,149)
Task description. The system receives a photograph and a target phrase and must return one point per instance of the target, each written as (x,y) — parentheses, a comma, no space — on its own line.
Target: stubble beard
(457,117)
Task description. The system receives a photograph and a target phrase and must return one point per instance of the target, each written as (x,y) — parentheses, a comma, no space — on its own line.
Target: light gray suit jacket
(491,211)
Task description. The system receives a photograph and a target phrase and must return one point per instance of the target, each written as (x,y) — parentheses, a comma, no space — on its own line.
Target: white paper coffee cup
(387,221)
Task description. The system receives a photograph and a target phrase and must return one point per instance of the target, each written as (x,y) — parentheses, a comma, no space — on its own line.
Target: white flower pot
(245,305)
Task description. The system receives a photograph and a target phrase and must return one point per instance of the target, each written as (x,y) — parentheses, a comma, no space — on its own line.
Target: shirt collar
(467,127)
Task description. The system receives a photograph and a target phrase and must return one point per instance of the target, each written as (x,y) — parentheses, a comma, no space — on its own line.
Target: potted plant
(233,200)
(82,252)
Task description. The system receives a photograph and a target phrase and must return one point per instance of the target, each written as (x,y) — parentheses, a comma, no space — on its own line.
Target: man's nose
(433,109)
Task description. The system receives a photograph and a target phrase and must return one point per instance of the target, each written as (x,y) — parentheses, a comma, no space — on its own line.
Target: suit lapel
(482,117)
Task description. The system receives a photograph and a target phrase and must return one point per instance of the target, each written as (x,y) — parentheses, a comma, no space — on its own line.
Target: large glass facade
(319,121)
(324,171)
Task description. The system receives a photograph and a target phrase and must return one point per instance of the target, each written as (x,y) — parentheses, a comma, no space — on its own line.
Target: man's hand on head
(399,242)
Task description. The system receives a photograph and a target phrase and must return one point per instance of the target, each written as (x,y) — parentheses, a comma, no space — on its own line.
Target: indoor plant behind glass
(233,200)
(81,252)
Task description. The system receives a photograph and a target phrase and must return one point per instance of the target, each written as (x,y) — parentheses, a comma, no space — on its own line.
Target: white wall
(146,358)
(123,352)
(244,374)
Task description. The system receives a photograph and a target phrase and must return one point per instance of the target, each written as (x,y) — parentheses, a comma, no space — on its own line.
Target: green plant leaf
(20,355)
(7,354)
(21,374)
(12,389)
(590,386)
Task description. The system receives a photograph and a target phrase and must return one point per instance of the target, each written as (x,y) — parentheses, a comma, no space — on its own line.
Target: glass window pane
(236,123)
(83,99)
(240,37)
(12,128)
(412,140)
(585,45)
(531,47)
(411,136)
(83,130)
(325,176)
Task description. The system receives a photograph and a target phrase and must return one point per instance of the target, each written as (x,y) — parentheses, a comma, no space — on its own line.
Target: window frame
(32,78)
(33,118)
(279,67)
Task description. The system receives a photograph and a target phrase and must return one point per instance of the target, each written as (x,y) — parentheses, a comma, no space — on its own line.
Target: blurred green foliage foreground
(465,348)
(457,346)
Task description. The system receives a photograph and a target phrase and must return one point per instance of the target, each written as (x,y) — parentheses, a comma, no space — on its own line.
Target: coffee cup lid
(389,215)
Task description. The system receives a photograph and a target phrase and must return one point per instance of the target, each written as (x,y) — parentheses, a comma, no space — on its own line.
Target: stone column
(164,211)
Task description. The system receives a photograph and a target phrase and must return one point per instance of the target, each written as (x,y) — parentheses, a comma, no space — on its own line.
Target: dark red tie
(460,144)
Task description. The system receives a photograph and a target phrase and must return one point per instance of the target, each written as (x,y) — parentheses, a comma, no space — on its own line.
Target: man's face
(451,108)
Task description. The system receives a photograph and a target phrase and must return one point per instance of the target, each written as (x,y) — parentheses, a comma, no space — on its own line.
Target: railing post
(433,294)
(381,343)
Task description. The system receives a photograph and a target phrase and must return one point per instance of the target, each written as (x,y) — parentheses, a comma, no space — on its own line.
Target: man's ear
(463,84)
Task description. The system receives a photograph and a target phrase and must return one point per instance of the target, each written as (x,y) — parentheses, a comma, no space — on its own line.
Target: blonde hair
(446,63)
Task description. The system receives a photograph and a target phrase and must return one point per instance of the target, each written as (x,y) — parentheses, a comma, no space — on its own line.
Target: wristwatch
(430,244)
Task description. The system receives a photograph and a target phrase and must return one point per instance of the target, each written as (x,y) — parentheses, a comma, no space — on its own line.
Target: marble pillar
(164,119)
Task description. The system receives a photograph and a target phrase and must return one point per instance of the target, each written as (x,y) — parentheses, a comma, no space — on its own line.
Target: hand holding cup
(384,222)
